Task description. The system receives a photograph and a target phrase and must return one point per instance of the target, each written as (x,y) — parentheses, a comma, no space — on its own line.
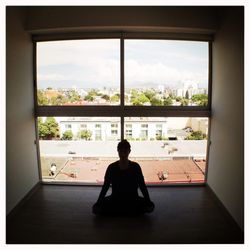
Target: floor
(62,215)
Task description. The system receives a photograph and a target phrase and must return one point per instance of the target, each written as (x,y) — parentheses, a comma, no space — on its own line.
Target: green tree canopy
(115,98)
(92,94)
(43,130)
(89,98)
(67,135)
(196,135)
(184,102)
(149,94)
(139,99)
(106,97)
(41,98)
(85,134)
(167,101)
(156,102)
(53,127)
(73,96)
(58,100)
(49,129)
(200,99)
(178,98)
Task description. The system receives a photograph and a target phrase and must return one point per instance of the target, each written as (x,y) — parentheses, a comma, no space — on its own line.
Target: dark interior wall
(21,158)
(226,161)
(161,18)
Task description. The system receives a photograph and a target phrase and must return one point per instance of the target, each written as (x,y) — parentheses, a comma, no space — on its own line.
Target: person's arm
(105,186)
(142,184)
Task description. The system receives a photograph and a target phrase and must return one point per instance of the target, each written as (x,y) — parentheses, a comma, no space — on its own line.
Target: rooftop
(93,171)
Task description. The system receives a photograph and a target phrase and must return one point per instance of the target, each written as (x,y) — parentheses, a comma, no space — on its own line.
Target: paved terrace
(93,171)
(91,159)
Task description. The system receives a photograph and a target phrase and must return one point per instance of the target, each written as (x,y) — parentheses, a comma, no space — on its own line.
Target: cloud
(136,72)
(97,62)
(51,77)
(77,52)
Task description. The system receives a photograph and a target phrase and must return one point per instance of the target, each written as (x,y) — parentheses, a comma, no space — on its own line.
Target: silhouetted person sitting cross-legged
(125,177)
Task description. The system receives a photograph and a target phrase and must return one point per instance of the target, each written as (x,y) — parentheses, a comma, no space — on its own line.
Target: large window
(166,73)
(90,93)
(80,154)
(78,72)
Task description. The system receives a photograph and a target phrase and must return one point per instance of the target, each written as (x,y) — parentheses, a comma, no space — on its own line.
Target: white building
(135,128)
(103,129)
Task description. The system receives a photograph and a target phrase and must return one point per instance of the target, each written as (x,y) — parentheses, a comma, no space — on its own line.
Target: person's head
(123,149)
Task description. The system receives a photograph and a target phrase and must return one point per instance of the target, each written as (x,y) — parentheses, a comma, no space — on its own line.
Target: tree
(184,102)
(149,94)
(49,129)
(41,98)
(156,102)
(196,135)
(187,95)
(115,98)
(58,100)
(43,130)
(53,128)
(105,97)
(178,98)
(200,99)
(89,98)
(92,95)
(85,134)
(167,101)
(73,96)
(139,100)
(67,135)
(93,92)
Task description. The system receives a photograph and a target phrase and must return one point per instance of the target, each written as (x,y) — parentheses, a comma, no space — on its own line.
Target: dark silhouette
(125,177)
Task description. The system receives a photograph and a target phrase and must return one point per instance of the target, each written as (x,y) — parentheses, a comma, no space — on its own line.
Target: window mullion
(122,127)
(122,88)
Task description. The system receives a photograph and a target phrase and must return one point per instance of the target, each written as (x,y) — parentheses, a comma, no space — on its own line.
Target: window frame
(122,110)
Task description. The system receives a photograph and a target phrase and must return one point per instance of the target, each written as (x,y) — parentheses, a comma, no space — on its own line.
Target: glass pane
(169,150)
(78,72)
(77,153)
(166,73)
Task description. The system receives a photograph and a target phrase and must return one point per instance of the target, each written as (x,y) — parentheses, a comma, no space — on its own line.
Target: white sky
(96,63)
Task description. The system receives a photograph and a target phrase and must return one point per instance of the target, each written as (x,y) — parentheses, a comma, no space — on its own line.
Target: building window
(128,131)
(68,126)
(144,132)
(158,132)
(83,126)
(114,129)
(98,135)
(98,126)
(98,132)
(121,86)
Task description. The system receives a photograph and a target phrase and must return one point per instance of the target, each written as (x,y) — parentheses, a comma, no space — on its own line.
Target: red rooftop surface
(154,171)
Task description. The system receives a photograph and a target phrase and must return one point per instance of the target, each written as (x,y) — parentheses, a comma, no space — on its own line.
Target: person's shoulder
(135,164)
(113,165)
